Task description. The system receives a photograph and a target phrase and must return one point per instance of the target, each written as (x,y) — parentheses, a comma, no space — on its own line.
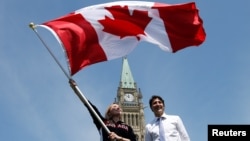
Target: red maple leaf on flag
(125,24)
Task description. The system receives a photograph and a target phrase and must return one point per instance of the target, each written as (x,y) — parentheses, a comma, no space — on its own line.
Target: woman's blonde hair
(108,114)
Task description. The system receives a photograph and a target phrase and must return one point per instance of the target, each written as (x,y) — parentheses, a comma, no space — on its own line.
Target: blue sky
(204,85)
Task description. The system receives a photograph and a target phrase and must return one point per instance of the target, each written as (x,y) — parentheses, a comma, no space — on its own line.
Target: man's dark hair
(155,97)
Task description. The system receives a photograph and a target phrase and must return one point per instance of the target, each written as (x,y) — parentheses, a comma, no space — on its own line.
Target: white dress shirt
(173,126)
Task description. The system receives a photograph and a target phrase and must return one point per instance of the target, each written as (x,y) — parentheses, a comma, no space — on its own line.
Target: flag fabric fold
(111,30)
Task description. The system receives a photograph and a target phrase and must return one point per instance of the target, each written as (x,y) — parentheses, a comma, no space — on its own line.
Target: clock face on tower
(128,97)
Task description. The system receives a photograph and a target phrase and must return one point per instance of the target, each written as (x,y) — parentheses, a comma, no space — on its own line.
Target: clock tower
(129,97)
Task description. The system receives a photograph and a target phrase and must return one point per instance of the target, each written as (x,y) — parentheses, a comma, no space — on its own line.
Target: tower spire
(129,98)
(127,80)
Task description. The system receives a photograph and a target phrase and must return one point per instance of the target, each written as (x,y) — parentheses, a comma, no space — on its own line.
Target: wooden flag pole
(33,26)
(85,101)
(71,81)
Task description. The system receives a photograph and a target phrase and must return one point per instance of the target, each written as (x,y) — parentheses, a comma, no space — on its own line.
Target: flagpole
(85,101)
(71,81)
(32,26)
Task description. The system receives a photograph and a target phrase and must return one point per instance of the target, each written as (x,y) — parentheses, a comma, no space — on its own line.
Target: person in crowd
(164,127)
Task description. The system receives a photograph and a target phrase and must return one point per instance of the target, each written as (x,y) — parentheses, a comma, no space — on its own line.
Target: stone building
(129,97)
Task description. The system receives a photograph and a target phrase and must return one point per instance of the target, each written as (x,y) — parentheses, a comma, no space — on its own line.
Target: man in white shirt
(173,127)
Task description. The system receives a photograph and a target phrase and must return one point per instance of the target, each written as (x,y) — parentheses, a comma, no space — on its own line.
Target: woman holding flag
(119,131)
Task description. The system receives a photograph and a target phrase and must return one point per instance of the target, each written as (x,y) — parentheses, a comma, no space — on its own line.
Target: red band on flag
(79,39)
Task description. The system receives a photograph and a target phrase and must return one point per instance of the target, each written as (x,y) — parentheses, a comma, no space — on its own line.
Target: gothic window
(137,119)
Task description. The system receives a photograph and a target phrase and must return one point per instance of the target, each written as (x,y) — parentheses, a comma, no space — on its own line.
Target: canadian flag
(111,30)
